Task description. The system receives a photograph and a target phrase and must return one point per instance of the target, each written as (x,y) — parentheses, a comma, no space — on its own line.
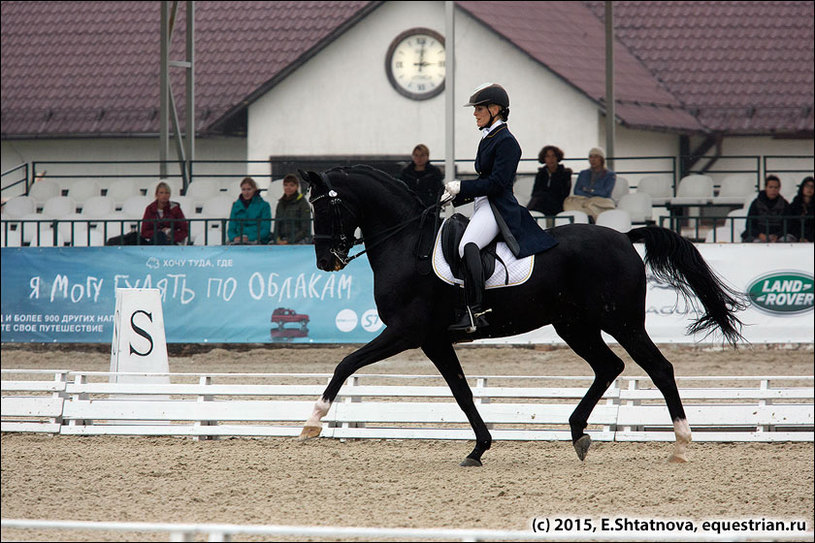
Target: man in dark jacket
(765,223)
(422,177)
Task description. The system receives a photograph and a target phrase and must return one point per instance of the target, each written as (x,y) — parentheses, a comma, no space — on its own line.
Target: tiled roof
(74,68)
(567,39)
(92,68)
(738,66)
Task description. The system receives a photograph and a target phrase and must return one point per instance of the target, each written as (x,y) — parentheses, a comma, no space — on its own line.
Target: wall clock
(415,63)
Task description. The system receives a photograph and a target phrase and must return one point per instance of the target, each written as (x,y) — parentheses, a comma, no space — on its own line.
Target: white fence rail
(719,408)
(224,532)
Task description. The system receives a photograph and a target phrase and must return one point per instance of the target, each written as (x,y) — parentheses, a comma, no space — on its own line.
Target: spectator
(803,226)
(552,184)
(592,191)
(292,215)
(765,222)
(250,221)
(422,177)
(163,221)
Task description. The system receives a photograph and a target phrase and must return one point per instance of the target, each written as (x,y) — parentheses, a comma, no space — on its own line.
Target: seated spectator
(592,191)
(803,228)
(765,223)
(552,184)
(163,221)
(292,214)
(250,221)
(422,177)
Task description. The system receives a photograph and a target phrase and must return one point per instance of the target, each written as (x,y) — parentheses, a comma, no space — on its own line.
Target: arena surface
(397,483)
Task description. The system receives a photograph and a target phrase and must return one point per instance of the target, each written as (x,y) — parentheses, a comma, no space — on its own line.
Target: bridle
(340,242)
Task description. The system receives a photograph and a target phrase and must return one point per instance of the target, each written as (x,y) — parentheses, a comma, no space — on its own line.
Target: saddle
(451,234)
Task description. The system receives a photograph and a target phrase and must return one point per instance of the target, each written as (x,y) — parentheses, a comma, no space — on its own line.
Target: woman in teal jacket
(250,221)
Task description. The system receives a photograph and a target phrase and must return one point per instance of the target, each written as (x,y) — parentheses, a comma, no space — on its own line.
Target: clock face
(415,63)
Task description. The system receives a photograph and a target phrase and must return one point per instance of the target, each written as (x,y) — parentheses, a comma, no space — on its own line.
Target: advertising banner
(242,294)
(233,294)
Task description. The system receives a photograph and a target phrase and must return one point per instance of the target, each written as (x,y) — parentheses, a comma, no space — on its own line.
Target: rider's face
(482,114)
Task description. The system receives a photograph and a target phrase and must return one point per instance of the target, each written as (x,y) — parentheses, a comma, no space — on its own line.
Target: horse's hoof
(581,447)
(309,432)
(471,462)
(675,459)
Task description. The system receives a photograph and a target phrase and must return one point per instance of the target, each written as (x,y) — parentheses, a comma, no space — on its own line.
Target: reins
(336,202)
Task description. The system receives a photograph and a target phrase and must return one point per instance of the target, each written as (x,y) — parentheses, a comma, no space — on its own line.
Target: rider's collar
(486,130)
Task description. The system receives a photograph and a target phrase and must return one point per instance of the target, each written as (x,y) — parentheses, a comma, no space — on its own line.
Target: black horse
(592,281)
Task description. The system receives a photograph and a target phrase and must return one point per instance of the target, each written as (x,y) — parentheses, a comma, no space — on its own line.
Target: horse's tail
(676,261)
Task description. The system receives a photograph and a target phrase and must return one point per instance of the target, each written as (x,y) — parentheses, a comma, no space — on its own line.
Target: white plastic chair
(58,207)
(638,205)
(46,237)
(621,188)
(618,219)
(218,207)
(723,234)
(122,189)
(83,189)
(694,190)
(44,189)
(10,238)
(19,206)
(88,238)
(188,206)
(658,187)
(134,206)
(578,216)
(201,190)
(98,207)
(736,189)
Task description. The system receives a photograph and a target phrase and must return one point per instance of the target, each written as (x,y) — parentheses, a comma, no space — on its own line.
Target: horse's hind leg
(440,351)
(661,372)
(587,342)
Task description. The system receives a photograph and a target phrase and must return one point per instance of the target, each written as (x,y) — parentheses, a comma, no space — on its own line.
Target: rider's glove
(450,190)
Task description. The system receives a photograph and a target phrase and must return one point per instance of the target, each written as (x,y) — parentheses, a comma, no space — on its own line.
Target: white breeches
(482,228)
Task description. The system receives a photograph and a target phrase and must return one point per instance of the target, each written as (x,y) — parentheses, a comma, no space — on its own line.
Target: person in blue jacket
(496,211)
(593,188)
(250,221)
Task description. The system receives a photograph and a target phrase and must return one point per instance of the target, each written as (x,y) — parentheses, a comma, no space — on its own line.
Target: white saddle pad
(519,269)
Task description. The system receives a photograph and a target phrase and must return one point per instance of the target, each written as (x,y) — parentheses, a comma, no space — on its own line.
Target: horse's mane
(396,186)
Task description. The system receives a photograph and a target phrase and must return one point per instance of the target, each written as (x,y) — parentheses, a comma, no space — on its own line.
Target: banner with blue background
(234,294)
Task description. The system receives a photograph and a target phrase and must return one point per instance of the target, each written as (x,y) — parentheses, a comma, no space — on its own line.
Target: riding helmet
(489,93)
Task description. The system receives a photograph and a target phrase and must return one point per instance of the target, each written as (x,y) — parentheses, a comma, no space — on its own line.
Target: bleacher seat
(737,189)
(134,206)
(694,190)
(19,206)
(723,234)
(618,219)
(43,190)
(202,190)
(658,187)
(188,206)
(58,207)
(579,217)
(46,237)
(621,188)
(98,207)
(122,189)
(10,238)
(218,207)
(638,205)
(84,189)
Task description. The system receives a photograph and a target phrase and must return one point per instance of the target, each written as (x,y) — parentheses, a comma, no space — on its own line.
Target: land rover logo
(784,293)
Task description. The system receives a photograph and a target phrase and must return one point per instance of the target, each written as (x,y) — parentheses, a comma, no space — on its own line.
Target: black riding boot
(470,316)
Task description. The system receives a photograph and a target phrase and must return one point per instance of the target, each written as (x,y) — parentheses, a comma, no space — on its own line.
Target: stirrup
(470,321)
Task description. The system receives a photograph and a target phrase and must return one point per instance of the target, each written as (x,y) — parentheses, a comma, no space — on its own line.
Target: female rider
(495,209)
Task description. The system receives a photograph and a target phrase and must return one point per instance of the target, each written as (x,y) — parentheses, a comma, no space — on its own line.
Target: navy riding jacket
(496,164)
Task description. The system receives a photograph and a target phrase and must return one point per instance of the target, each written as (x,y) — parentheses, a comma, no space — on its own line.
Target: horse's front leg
(386,344)
(440,351)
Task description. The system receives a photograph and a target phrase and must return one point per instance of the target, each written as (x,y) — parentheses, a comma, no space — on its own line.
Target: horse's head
(335,221)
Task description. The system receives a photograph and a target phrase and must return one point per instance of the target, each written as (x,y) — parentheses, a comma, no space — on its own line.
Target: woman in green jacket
(250,221)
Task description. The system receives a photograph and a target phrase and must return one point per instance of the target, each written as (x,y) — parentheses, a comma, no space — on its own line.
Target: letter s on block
(141,332)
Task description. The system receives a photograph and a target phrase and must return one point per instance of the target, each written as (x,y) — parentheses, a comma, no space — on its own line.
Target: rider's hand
(453,187)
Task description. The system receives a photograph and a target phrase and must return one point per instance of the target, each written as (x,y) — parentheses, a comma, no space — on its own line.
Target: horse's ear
(311,178)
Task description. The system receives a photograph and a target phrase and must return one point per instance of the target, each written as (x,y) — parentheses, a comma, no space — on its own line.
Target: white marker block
(139,344)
